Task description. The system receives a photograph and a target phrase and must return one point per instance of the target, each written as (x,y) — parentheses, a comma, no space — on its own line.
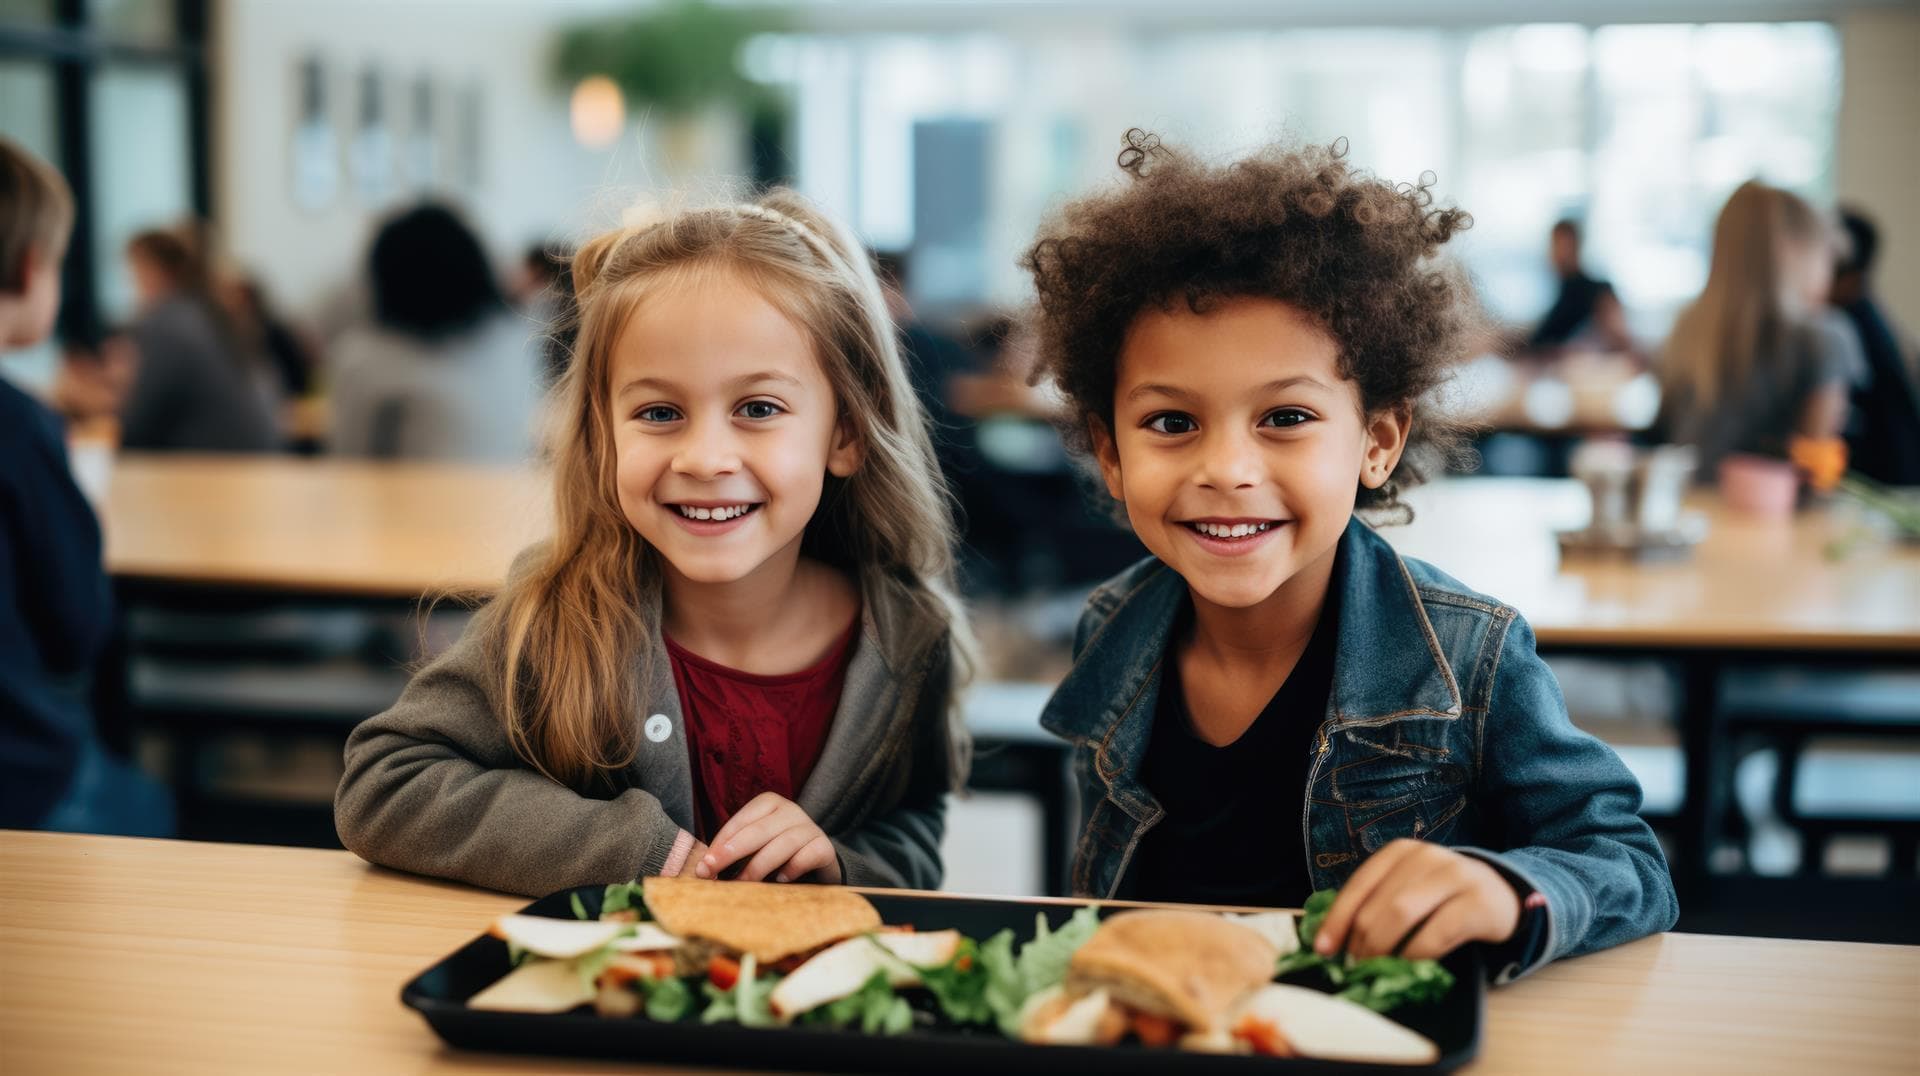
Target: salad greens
(875,1008)
(986,983)
(618,897)
(746,1003)
(1381,983)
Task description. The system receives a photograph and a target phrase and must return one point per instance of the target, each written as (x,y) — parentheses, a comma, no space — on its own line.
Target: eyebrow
(658,384)
(1177,393)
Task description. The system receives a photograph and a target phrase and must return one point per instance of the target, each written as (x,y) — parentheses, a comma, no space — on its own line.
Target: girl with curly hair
(1275,702)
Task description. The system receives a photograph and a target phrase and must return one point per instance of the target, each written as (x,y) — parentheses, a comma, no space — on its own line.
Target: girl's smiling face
(724,429)
(1237,447)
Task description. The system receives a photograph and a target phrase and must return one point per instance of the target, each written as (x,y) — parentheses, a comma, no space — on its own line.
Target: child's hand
(784,843)
(1452,898)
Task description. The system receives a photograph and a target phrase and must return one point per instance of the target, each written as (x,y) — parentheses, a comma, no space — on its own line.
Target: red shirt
(748,734)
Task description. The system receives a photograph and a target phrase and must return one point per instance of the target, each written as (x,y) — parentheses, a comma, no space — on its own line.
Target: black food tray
(440,994)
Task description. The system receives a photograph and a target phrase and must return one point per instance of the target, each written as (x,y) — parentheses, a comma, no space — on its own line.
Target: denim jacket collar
(1120,663)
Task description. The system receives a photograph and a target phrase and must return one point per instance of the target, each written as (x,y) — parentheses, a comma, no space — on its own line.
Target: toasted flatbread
(768,920)
(1186,966)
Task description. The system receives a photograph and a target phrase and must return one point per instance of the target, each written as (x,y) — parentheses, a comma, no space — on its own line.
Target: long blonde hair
(1748,307)
(572,619)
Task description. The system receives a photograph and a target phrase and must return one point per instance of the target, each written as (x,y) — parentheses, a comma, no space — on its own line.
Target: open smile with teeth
(1230,531)
(716,515)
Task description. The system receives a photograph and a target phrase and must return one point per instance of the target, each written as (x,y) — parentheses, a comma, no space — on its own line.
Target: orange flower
(1824,459)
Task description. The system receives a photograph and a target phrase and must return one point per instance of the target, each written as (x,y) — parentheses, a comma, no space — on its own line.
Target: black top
(1571,311)
(1234,829)
(56,611)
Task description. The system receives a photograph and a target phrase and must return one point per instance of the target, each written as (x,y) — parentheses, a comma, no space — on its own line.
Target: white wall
(534,179)
(1878,150)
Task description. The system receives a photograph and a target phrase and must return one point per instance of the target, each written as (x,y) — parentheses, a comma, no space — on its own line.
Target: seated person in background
(197,386)
(56,609)
(447,371)
(543,290)
(1884,439)
(1759,359)
(1585,306)
(257,323)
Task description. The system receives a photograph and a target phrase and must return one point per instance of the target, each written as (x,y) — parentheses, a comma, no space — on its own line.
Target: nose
(1229,460)
(706,451)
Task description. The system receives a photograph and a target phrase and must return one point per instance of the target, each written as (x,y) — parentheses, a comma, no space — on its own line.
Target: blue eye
(760,409)
(1172,422)
(657,413)
(1286,417)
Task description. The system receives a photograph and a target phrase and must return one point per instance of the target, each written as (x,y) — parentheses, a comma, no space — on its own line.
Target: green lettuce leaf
(1313,913)
(1005,992)
(1381,983)
(960,985)
(1043,961)
(874,1008)
(668,999)
(619,897)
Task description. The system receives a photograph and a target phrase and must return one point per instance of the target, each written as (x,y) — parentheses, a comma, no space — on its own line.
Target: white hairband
(806,234)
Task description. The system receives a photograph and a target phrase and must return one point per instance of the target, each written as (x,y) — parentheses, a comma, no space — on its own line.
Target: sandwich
(795,948)
(1165,977)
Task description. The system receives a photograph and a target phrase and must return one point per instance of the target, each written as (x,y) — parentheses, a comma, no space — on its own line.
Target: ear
(1386,439)
(1107,454)
(31,260)
(847,452)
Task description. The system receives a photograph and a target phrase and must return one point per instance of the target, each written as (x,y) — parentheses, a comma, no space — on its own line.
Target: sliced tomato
(1154,1030)
(1263,1037)
(723,971)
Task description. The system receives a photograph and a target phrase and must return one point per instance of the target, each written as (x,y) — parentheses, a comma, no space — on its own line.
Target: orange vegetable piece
(1263,1037)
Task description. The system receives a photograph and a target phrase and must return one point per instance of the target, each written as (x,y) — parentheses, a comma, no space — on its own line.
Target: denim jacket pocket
(1390,784)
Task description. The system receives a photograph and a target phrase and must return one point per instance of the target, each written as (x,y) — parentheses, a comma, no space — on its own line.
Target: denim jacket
(1442,724)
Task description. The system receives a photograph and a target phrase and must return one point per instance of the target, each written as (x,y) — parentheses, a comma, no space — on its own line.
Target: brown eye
(1172,422)
(1285,417)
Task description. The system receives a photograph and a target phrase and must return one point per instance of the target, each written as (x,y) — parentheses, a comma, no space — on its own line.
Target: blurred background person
(446,371)
(1883,440)
(261,328)
(543,290)
(56,605)
(196,386)
(1585,307)
(1759,358)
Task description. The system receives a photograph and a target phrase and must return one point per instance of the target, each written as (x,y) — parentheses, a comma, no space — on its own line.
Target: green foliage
(675,57)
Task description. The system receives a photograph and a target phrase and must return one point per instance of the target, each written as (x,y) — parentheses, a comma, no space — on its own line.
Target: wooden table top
(323,526)
(1758,583)
(169,957)
(392,530)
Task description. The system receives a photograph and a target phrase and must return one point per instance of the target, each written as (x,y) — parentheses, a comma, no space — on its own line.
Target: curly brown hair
(1297,224)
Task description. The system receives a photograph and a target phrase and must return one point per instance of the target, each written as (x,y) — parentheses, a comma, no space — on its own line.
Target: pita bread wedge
(1187,966)
(769,921)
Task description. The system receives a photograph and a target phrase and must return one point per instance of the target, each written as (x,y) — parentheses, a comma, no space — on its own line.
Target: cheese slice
(544,986)
(1276,927)
(560,939)
(647,938)
(842,969)
(1323,1026)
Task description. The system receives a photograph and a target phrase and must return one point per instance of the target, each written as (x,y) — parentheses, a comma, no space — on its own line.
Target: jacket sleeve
(900,847)
(64,594)
(1566,808)
(433,786)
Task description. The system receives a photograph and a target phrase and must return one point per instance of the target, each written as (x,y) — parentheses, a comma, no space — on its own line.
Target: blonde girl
(1759,358)
(737,655)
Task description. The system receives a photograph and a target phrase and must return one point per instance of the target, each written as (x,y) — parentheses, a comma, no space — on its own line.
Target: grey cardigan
(433,787)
